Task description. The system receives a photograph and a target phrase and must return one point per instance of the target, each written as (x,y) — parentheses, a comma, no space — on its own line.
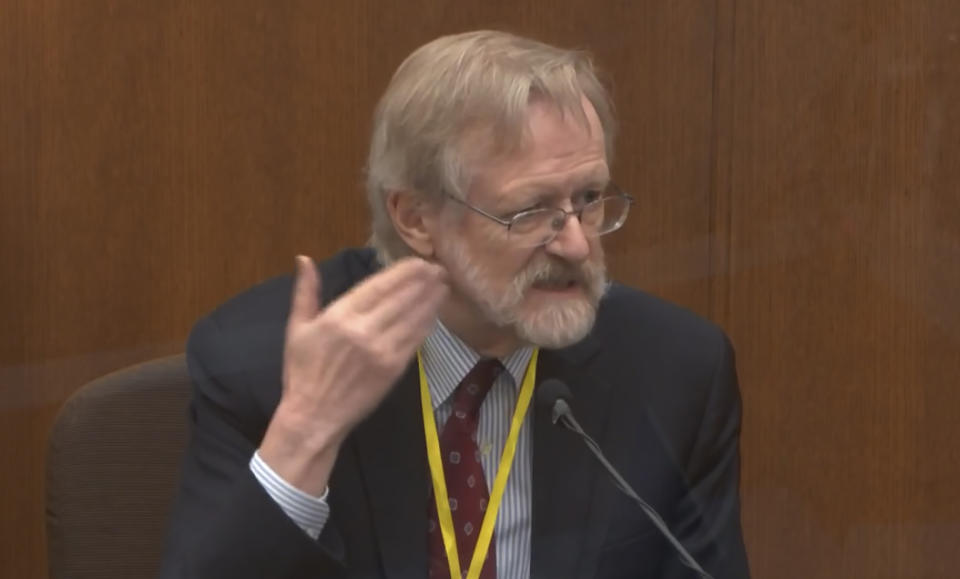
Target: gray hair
(449,90)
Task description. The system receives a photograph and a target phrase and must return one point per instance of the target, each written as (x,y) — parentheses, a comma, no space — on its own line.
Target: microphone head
(551,390)
(555,396)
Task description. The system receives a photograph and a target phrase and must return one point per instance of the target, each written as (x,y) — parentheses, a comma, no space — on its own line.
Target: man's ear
(415,221)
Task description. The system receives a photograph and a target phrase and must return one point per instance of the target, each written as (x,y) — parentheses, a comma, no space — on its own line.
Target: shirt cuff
(310,513)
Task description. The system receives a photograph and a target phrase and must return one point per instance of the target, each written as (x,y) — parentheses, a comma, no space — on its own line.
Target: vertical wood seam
(720,213)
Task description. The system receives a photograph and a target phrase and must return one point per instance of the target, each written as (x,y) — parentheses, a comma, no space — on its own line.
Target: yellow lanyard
(499,484)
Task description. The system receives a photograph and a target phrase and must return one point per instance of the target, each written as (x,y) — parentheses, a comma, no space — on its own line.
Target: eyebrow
(536,192)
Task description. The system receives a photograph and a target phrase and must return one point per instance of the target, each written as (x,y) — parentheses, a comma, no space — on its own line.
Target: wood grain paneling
(838,208)
(794,162)
(156,158)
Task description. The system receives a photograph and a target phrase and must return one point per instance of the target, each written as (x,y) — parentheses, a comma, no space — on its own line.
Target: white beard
(555,324)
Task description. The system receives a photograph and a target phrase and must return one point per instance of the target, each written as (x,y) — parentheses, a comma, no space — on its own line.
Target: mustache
(553,269)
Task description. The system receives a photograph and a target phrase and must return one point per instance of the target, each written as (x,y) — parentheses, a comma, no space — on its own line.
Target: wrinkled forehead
(492,137)
(553,131)
(553,145)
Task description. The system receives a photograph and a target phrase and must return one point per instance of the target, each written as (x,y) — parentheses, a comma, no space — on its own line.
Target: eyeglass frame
(508,223)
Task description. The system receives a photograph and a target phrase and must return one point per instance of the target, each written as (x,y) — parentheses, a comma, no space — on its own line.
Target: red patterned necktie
(466,485)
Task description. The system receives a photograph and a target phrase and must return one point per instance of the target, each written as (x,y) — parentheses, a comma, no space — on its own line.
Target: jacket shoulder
(648,339)
(239,345)
(628,313)
(269,300)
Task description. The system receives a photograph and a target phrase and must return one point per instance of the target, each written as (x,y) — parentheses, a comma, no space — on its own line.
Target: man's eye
(589,196)
(513,214)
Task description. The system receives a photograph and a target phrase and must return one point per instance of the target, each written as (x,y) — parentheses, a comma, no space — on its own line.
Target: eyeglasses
(600,212)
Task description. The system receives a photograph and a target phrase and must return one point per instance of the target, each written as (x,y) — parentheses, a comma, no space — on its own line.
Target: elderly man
(379,423)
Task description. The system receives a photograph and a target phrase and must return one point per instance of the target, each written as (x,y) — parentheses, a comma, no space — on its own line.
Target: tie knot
(475,385)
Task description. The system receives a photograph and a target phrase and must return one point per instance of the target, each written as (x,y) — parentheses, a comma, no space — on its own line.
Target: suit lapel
(570,497)
(393,460)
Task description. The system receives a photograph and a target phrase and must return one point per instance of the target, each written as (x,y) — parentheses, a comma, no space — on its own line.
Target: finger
(306,289)
(397,306)
(418,320)
(369,293)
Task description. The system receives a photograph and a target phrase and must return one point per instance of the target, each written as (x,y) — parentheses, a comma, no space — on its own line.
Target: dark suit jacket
(653,383)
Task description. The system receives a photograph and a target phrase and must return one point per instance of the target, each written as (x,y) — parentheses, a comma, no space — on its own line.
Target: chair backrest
(112,467)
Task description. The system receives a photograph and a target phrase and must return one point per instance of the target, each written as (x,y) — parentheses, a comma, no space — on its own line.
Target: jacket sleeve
(223,523)
(707,521)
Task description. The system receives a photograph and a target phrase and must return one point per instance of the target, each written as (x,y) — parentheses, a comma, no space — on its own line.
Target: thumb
(306,290)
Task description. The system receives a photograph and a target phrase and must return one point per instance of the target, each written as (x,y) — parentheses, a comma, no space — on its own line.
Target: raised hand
(340,361)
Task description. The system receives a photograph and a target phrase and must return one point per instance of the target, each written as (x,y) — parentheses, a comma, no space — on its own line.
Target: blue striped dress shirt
(446,360)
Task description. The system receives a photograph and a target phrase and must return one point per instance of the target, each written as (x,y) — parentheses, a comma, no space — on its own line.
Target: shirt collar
(447,359)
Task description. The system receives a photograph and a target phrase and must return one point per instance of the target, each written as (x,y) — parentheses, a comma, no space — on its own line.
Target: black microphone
(555,395)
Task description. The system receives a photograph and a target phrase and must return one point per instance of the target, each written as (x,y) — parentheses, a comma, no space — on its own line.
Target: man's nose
(571,242)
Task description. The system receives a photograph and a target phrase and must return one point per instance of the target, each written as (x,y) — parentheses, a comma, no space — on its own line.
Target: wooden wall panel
(839,223)
(156,158)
